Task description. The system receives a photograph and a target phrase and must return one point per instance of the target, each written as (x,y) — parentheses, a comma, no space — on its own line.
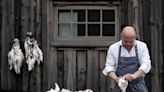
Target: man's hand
(130,77)
(137,74)
(117,79)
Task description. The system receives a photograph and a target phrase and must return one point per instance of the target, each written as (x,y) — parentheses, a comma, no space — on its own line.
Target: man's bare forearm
(113,76)
(135,75)
(139,73)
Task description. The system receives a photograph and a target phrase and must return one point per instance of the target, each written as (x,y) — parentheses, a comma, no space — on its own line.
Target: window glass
(64,16)
(86,22)
(93,30)
(108,30)
(81,30)
(93,15)
(108,15)
(79,15)
(65,30)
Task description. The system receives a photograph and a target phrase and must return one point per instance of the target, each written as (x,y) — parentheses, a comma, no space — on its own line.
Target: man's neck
(128,48)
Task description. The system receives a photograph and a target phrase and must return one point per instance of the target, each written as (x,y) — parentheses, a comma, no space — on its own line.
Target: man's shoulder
(140,42)
(115,45)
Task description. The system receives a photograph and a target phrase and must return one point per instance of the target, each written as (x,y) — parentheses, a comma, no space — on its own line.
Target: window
(89,24)
(86,22)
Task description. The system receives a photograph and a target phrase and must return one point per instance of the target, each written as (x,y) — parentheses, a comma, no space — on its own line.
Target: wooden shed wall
(19,17)
(78,69)
(74,68)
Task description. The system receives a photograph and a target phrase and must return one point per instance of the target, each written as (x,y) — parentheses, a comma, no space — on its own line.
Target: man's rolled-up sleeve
(110,63)
(145,62)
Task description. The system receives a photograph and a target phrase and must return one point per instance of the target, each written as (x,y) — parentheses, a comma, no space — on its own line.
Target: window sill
(82,43)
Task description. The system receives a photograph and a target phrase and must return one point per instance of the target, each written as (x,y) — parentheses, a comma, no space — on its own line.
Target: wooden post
(156,46)
(4,51)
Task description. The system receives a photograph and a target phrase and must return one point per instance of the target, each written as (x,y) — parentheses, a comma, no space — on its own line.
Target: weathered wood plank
(45,42)
(52,67)
(130,12)
(70,69)
(140,19)
(18,35)
(147,35)
(37,28)
(60,68)
(25,77)
(32,81)
(10,38)
(103,78)
(136,16)
(146,23)
(38,78)
(65,68)
(38,21)
(24,18)
(156,48)
(24,30)
(92,69)
(31,15)
(4,76)
(81,69)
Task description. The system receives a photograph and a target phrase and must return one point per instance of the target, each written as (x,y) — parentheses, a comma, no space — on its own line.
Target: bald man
(128,58)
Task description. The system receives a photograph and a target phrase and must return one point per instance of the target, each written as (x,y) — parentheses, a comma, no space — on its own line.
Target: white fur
(37,53)
(123,84)
(15,56)
(31,62)
(28,46)
(87,90)
(57,89)
(52,90)
(33,53)
(65,90)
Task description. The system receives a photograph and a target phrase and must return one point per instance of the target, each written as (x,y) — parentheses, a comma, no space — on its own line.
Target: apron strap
(119,54)
(136,52)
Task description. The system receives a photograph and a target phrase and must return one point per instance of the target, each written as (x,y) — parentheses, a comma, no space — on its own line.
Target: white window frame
(86,41)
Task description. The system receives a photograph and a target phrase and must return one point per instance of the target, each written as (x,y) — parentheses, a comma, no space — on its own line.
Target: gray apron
(130,65)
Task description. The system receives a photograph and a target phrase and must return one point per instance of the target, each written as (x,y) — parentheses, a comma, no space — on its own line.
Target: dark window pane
(93,29)
(108,15)
(80,15)
(108,30)
(81,29)
(93,15)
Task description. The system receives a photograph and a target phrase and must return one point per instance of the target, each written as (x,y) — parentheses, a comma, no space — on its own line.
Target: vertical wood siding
(80,69)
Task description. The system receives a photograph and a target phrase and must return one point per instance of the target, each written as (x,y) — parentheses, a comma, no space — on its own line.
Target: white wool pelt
(57,89)
(123,84)
(32,51)
(15,56)
(87,90)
